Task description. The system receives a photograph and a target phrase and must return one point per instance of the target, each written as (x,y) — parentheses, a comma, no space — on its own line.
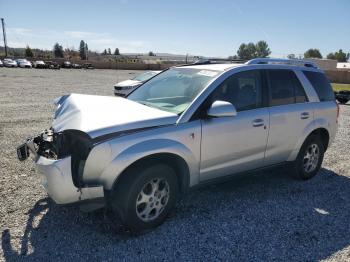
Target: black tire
(127,190)
(342,101)
(299,169)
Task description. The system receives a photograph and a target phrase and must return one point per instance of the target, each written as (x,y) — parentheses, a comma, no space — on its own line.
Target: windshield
(174,89)
(144,76)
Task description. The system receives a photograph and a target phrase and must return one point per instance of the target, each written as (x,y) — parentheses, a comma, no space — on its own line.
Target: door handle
(258,122)
(305,115)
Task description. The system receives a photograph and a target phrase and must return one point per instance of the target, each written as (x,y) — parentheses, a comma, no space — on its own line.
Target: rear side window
(285,88)
(300,96)
(321,85)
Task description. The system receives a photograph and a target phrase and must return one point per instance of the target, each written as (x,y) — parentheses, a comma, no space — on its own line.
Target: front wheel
(309,159)
(144,197)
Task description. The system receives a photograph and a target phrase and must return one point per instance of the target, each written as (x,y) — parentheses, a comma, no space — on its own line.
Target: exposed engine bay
(46,144)
(51,145)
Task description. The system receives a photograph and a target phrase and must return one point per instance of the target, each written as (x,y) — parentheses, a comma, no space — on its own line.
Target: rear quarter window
(321,85)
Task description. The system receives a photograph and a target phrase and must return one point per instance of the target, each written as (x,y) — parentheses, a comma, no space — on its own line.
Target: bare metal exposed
(187,126)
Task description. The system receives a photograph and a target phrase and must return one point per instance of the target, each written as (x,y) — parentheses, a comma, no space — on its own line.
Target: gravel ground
(267,216)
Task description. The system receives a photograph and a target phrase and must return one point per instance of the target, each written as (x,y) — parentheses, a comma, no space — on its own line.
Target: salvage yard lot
(266,216)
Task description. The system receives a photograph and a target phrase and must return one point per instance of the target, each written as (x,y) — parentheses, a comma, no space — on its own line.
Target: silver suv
(187,126)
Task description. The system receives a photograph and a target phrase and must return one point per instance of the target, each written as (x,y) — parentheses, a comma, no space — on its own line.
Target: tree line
(82,52)
(59,52)
(339,55)
(251,50)
(245,51)
(261,49)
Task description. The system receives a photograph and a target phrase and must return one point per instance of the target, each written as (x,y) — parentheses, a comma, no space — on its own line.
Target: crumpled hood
(129,82)
(102,115)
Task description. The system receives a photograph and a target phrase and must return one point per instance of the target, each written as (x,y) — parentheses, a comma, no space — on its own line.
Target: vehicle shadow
(267,216)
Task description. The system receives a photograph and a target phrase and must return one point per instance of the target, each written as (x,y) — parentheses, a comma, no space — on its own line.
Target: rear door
(290,113)
(326,109)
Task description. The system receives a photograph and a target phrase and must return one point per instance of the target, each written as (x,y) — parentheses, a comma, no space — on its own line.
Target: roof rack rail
(296,62)
(206,61)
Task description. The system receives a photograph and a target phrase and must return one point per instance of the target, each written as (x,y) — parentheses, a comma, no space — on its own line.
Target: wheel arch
(176,162)
(320,131)
(171,152)
(323,134)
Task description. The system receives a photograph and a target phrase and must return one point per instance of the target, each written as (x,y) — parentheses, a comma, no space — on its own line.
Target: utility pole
(4,34)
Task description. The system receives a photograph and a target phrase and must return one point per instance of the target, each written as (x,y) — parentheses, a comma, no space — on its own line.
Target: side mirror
(221,109)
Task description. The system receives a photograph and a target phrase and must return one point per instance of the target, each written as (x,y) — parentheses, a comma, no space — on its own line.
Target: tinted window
(281,87)
(285,88)
(243,90)
(300,96)
(321,85)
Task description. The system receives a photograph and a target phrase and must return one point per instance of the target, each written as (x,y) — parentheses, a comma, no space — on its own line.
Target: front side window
(243,90)
(173,90)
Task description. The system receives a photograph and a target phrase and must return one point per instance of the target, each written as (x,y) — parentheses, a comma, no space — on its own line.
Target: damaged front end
(60,159)
(44,145)
(55,146)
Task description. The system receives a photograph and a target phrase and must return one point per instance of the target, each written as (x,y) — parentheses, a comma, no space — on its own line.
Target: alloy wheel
(152,199)
(311,158)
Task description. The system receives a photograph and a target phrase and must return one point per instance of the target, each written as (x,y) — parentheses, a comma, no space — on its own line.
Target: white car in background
(9,63)
(39,64)
(125,87)
(1,64)
(24,63)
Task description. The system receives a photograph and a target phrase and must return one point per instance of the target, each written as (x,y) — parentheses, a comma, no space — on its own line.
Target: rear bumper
(56,178)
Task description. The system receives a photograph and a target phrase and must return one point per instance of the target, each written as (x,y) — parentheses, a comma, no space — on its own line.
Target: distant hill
(19,52)
(157,54)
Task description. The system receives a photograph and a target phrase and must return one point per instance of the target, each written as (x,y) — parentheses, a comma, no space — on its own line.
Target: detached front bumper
(56,176)
(57,180)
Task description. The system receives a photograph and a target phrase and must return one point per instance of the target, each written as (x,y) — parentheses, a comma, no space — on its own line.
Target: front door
(235,144)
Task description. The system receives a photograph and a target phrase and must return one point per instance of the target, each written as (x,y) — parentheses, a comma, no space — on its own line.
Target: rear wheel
(144,197)
(309,159)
